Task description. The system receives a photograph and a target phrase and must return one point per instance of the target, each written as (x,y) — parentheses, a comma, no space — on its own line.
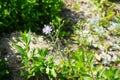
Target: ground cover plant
(79,66)
(96,56)
(36,65)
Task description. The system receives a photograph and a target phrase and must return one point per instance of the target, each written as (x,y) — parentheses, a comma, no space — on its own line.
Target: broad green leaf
(53,72)
(36,59)
(22,74)
(42,53)
(79,64)
(19,49)
(17,39)
(100,72)
(86,77)
(116,73)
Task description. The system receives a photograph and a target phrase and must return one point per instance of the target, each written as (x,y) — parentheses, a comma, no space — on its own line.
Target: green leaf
(42,53)
(32,54)
(116,73)
(83,56)
(100,72)
(20,49)
(53,72)
(36,59)
(86,77)
(24,37)
(22,74)
(92,59)
(29,38)
(76,6)
(17,39)
(79,64)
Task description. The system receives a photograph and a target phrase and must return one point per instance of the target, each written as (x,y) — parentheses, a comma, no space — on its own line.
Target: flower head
(47,29)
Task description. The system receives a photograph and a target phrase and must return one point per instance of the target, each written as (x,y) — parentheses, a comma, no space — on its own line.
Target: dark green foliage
(4,72)
(25,14)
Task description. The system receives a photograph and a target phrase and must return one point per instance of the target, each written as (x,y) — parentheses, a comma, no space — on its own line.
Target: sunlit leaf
(19,49)
(28,38)
(53,72)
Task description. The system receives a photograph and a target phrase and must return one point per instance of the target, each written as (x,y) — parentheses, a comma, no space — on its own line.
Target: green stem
(90,68)
(56,45)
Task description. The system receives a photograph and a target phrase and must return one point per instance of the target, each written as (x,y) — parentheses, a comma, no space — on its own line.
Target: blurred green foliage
(106,8)
(25,14)
(79,66)
(35,64)
(4,72)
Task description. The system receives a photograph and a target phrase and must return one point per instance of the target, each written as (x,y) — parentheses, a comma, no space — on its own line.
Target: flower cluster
(47,29)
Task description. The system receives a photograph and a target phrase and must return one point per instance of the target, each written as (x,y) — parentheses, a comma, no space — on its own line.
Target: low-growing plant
(81,66)
(78,67)
(35,63)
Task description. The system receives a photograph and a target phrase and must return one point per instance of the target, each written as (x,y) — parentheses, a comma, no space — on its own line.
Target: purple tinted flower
(47,29)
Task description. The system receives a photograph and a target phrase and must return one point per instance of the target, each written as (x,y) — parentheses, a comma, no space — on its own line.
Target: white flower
(47,29)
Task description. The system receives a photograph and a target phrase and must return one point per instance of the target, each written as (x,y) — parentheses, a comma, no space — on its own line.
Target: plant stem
(56,45)
(90,68)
